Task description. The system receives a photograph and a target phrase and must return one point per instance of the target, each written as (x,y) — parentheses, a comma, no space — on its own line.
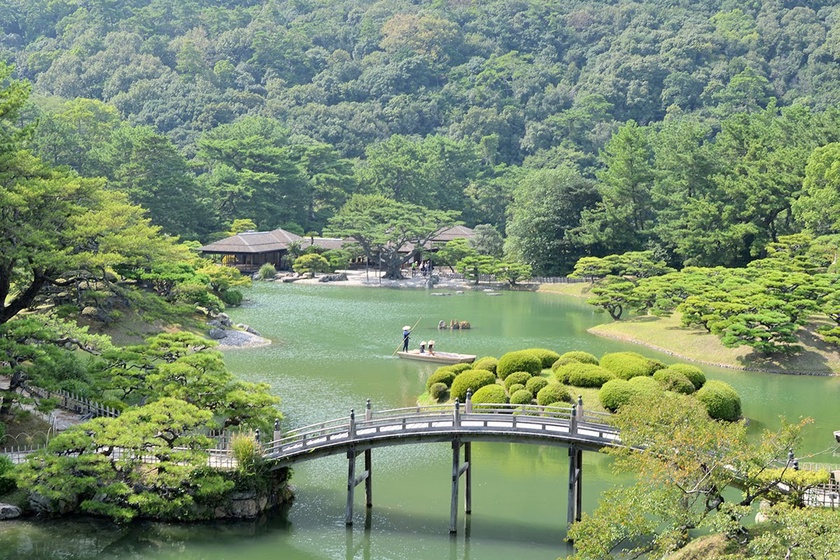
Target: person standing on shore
(406,333)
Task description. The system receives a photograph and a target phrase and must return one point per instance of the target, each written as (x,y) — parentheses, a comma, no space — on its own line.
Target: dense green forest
(699,130)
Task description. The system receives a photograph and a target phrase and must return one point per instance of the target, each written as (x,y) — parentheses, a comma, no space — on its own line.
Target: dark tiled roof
(448,234)
(325,242)
(253,242)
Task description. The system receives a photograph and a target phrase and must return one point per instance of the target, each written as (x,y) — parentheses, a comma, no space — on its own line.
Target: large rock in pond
(8,511)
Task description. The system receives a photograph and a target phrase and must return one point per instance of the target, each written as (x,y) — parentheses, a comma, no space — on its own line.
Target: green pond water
(333,349)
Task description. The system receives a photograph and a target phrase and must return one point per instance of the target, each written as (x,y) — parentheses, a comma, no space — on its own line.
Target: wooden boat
(439,357)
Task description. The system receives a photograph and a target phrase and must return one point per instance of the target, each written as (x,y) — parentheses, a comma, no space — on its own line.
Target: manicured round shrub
(438,391)
(443,375)
(616,393)
(721,400)
(694,373)
(647,384)
(535,384)
(515,387)
(673,380)
(522,396)
(517,377)
(231,298)
(489,394)
(546,356)
(553,393)
(587,375)
(458,368)
(520,360)
(626,365)
(579,356)
(561,361)
(487,362)
(471,379)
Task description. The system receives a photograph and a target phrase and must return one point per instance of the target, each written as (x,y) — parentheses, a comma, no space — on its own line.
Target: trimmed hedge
(489,394)
(535,384)
(438,390)
(586,375)
(522,396)
(579,356)
(471,379)
(616,393)
(553,393)
(516,387)
(546,356)
(647,384)
(458,368)
(443,375)
(694,373)
(520,360)
(673,380)
(561,361)
(627,365)
(487,362)
(722,402)
(517,377)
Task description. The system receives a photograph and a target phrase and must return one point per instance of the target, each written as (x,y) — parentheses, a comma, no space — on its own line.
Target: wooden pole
(468,489)
(410,330)
(456,468)
(351,485)
(575,485)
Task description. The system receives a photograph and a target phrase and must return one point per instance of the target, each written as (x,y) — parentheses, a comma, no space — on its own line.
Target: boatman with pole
(406,333)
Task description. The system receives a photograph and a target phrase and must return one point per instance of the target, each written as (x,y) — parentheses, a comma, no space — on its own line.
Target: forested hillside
(701,130)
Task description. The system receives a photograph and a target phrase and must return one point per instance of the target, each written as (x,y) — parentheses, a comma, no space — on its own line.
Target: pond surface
(333,348)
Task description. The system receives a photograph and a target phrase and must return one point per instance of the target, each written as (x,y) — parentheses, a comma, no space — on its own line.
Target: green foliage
(626,365)
(311,263)
(693,373)
(522,396)
(438,391)
(7,480)
(722,402)
(515,387)
(579,356)
(445,375)
(247,452)
(553,393)
(267,272)
(231,298)
(584,375)
(489,394)
(517,377)
(535,384)
(458,368)
(470,379)
(618,392)
(547,357)
(487,362)
(673,380)
(519,360)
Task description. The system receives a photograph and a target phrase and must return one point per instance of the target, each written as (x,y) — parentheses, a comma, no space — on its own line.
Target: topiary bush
(616,393)
(722,402)
(458,368)
(471,379)
(438,391)
(586,375)
(515,387)
(535,384)
(673,380)
(561,361)
(487,362)
(647,384)
(489,394)
(519,360)
(626,365)
(694,373)
(553,393)
(546,356)
(231,298)
(579,356)
(522,396)
(520,377)
(267,272)
(443,375)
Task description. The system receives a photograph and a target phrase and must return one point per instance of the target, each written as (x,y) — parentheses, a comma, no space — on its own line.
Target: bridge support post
(353,481)
(457,471)
(575,484)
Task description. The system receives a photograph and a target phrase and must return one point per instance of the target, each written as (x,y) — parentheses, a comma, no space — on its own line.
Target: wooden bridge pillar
(352,479)
(575,484)
(457,471)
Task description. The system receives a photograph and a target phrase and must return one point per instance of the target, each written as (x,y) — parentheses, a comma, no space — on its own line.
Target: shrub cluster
(693,373)
(579,356)
(458,368)
(520,377)
(438,390)
(535,384)
(7,482)
(443,375)
(522,396)
(489,394)
(515,387)
(547,357)
(626,365)
(673,380)
(520,360)
(617,392)
(487,362)
(553,393)
(721,400)
(470,379)
(586,375)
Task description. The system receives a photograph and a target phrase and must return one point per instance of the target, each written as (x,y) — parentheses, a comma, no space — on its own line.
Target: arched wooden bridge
(566,426)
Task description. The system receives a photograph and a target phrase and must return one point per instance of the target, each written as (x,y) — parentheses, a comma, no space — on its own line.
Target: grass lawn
(666,334)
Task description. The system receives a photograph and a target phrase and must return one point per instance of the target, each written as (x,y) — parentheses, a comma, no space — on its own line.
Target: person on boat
(431,347)
(406,333)
(423,347)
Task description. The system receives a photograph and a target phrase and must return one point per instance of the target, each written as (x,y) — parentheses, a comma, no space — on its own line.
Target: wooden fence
(75,403)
